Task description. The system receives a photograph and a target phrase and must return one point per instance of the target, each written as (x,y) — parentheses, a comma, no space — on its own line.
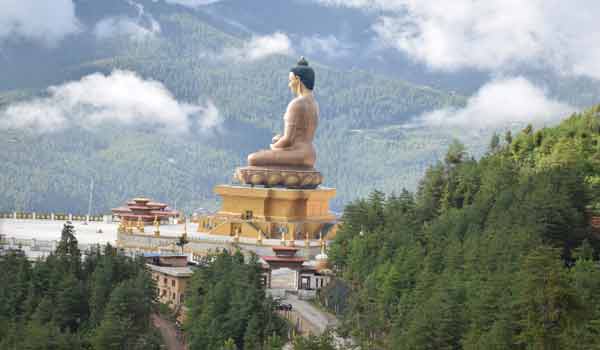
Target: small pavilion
(307,275)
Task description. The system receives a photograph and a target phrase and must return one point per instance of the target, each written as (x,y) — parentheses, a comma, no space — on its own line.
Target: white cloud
(499,103)
(211,118)
(260,47)
(491,34)
(448,37)
(121,97)
(366,4)
(192,3)
(46,21)
(143,27)
(122,26)
(327,45)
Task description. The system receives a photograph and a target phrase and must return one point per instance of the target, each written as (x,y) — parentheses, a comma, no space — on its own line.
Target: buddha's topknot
(305,73)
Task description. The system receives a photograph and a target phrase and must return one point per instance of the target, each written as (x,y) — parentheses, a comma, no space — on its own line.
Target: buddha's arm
(292,114)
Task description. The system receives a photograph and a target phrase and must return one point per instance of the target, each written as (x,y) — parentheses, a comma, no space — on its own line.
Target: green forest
(98,300)
(101,299)
(228,310)
(495,253)
(491,253)
(451,238)
(227,305)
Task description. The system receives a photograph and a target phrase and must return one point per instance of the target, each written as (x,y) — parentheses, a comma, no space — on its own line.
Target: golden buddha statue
(291,158)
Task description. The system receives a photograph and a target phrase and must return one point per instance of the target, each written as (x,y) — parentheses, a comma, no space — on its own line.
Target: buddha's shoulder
(300,102)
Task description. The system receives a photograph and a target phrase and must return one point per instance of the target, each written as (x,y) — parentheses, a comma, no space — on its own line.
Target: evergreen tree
(47,306)
(494,142)
(227,303)
(508,137)
(322,342)
(126,319)
(182,241)
(495,253)
(274,342)
(68,249)
(455,154)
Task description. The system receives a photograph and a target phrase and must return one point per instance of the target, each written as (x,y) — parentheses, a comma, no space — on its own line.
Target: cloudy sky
(29,19)
(492,36)
(496,37)
(98,98)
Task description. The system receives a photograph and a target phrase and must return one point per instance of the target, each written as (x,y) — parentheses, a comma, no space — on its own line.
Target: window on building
(181,297)
(172,283)
(165,280)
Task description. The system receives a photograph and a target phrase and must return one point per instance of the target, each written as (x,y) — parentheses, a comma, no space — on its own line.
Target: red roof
(121,209)
(291,259)
(156,204)
(140,207)
(147,216)
(276,248)
(144,208)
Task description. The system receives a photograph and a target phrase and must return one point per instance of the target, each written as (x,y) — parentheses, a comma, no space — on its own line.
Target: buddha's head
(302,77)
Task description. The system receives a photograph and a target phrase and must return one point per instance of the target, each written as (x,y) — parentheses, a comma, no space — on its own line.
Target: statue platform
(272,213)
(276,176)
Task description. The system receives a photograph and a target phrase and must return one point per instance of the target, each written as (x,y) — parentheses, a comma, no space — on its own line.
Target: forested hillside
(66,302)
(356,150)
(363,141)
(496,253)
(228,309)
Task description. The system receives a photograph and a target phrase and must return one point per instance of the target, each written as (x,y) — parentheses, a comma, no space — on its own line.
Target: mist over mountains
(165,98)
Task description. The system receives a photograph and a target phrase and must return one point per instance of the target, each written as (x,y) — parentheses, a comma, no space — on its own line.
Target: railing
(36,244)
(54,216)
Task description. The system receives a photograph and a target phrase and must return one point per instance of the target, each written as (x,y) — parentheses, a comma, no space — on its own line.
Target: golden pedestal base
(272,213)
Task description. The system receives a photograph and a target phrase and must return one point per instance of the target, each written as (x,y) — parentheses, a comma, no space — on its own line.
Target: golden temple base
(272,213)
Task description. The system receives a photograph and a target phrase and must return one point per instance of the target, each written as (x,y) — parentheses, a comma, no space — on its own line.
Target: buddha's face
(294,84)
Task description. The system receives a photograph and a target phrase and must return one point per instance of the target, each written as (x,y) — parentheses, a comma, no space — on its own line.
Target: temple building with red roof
(146,210)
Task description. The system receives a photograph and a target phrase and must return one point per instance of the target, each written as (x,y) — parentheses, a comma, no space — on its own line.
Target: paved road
(169,333)
(320,319)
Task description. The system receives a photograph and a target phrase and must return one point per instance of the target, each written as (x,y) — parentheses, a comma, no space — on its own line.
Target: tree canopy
(228,308)
(496,253)
(98,299)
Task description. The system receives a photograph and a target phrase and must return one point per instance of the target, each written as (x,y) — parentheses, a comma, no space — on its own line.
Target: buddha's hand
(276,138)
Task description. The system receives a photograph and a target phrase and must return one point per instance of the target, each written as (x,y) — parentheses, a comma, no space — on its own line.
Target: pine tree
(494,142)
(508,137)
(548,303)
(229,344)
(70,307)
(126,319)
(455,154)
(273,342)
(68,249)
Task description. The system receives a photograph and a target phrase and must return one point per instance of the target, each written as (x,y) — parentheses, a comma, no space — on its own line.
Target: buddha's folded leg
(278,158)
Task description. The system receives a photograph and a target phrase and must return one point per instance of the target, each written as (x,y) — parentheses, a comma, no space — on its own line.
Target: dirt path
(169,333)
